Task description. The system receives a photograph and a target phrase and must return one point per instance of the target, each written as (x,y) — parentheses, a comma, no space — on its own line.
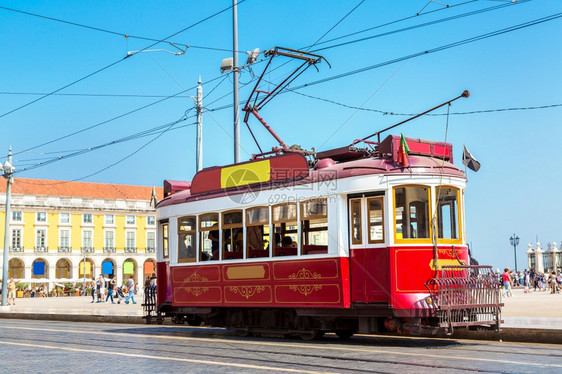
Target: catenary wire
(413,27)
(437,49)
(118,61)
(392,22)
(115,32)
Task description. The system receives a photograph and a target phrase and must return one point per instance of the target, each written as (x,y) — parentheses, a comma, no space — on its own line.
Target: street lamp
(7,170)
(514,240)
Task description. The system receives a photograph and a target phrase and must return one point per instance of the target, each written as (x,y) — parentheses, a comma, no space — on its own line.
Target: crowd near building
(63,232)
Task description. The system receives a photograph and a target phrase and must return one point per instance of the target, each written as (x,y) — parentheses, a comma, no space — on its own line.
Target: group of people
(102,288)
(551,281)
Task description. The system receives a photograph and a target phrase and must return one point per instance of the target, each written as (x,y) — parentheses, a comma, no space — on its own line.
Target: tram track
(181,345)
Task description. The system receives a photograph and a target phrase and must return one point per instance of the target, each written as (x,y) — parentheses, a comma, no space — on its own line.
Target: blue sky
(514,192)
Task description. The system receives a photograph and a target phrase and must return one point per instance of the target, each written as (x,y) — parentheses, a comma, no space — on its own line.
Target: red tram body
(352,242)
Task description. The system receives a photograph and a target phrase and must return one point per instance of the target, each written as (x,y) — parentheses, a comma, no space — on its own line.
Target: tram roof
(323,171)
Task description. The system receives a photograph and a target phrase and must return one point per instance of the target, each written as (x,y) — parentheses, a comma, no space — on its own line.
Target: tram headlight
(429,300)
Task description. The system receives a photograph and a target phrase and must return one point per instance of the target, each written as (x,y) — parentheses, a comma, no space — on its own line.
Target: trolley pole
(8,169)
(199,144)
(235,81)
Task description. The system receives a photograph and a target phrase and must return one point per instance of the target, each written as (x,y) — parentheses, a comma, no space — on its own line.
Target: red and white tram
(352,240)
(357,242)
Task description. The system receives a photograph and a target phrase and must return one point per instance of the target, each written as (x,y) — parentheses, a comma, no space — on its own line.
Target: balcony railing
(109,249)
(65,249)
(130,249)
(41,249)
(150,250)
(87,249)
(16,249)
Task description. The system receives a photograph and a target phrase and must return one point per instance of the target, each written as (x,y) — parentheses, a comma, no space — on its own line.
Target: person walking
(110,287)
(131,287)
(92,288)
(506,282)
(12,291)
(99,287)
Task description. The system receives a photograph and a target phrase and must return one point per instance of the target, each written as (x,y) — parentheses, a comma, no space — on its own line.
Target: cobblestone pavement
(64,347)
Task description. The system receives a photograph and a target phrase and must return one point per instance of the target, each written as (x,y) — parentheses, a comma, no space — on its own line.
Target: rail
(466,295)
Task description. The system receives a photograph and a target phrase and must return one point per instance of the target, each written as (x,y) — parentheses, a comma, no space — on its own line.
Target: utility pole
(199,144)
(8,169)
(235,81)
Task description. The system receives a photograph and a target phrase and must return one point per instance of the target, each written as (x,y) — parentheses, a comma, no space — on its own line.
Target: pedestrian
(92,287)
(110,287)
(506,282)
(131,288)
(12,291)
(553,282)
(99,285)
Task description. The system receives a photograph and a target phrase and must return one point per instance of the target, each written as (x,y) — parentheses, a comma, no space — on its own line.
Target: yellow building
(62,231)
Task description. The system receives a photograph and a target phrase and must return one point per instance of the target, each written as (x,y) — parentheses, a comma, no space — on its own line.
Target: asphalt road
(66,347)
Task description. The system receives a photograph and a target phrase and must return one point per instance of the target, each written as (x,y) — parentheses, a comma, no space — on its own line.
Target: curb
(75,318)
(511,334)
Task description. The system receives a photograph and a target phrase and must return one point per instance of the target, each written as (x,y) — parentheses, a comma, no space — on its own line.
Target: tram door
(369,261)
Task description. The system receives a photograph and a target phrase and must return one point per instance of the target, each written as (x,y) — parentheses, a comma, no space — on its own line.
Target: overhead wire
(413,27)
(115,32)
(437,49)
(118,61)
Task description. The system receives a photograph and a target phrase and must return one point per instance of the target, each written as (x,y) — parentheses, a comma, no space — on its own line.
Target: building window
(109,219)
(87,240)
(16,216)
(130,245)
(64,240)
(41,240)
(87,218)
(411,212)
(41,217)
(109,244)
(130,220)
(150,220)
(64,217)
(16,240)
(151,242)
(187,227)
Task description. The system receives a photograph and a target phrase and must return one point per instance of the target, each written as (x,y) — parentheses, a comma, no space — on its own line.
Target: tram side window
(376,220)
(257,232)
(447,212)
(165,247)
(411,212)
(209,235)
(232,239)
(356,237)
(314,226)
(187,230)
(285,227)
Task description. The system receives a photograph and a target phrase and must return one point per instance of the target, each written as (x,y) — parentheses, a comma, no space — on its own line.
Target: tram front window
(411,212)
(447,212)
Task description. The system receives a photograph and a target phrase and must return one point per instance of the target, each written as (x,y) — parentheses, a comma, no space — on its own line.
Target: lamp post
(7,170)
(514,240)
(84,274)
